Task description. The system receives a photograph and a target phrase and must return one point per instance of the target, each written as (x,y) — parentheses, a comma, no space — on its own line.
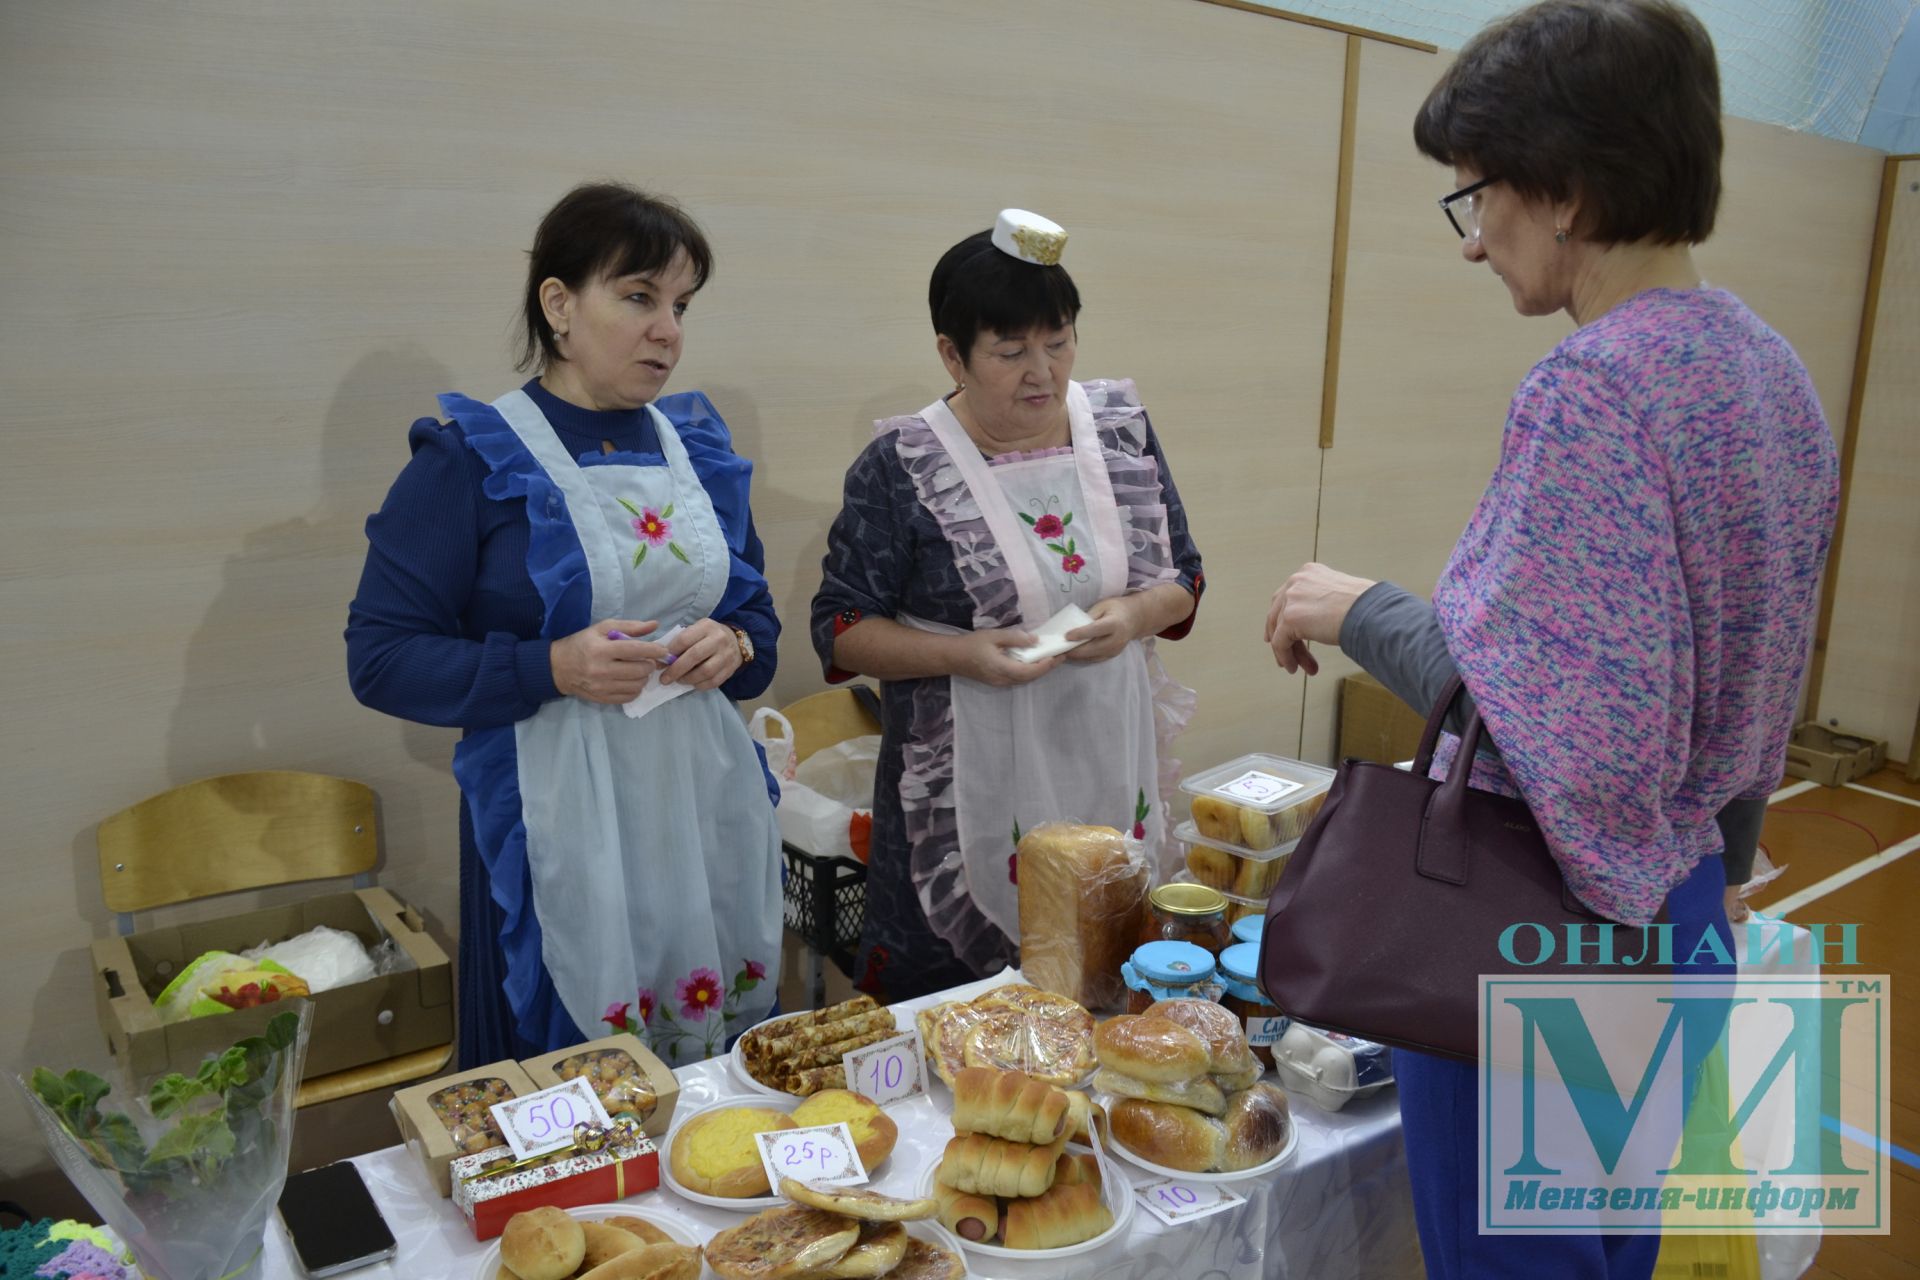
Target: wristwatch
(746,645)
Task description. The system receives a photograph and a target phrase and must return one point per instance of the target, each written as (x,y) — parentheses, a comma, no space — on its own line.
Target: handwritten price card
(887,1071)
(823,1153)
(537,1123)
(1173,1201)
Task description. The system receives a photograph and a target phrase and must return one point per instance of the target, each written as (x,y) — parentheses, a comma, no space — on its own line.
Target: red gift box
(491,1186)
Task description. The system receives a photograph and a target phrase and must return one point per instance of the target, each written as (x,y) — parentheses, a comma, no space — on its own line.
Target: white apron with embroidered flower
(1076,745)
(652,845)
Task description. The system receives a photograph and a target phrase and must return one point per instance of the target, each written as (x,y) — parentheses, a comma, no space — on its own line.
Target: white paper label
(823,1153)
(1257,788)
(889,1070)
(1173,1201)
(1264,1032)
(539,1122)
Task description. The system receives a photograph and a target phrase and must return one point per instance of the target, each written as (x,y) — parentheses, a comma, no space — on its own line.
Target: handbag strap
(1444,846)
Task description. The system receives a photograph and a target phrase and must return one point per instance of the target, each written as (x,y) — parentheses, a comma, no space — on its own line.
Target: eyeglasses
(1463,208)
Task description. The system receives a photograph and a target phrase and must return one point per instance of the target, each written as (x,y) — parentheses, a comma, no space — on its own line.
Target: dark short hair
(975,286)
(1613,102)
(604,230)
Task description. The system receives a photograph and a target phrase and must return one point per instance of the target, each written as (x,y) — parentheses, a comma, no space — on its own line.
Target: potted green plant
(186,1168)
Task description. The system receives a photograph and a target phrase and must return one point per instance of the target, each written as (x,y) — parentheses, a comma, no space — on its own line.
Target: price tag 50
(1173,1201)
(537,1123)
(889,1070)
(823,1153)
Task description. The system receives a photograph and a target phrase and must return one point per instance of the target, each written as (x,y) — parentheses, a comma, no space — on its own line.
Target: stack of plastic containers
(1247,816)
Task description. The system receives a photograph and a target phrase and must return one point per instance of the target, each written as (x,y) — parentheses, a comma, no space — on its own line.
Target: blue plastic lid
(1249,928)
(1241,962)
(1172,963)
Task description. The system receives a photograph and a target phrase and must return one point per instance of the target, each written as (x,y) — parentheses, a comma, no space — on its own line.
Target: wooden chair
(250,831)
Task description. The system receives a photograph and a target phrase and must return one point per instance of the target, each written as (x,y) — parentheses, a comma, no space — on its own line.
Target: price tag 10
(823,1153)
(1173,1201)
(889,1070)
(540,1122)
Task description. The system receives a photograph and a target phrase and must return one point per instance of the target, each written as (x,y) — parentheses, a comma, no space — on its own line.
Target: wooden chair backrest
(822,719)
(238,831)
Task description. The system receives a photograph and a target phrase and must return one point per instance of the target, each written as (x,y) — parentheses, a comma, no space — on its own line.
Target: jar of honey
(1182,912)
(1168,971)
(1240,971)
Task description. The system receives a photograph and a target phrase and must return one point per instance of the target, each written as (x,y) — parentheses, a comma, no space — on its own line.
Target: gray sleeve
(1394,635)
(1740,832)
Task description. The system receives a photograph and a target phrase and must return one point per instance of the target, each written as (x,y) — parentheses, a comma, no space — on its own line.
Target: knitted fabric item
(25,1248)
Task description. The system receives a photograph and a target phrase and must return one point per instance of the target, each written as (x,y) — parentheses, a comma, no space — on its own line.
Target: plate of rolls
(1012,1183)
(711,1156)
(604,1241)
(1184,1094)
(799,1055)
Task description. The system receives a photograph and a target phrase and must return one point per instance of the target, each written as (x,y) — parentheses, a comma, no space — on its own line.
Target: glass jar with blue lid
(1240,974)
(1249,928)
(1168,971)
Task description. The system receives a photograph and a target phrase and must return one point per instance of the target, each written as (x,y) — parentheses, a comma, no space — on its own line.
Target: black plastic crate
(826,901)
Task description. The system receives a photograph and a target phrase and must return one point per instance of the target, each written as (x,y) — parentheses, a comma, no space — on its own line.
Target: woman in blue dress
(540,562)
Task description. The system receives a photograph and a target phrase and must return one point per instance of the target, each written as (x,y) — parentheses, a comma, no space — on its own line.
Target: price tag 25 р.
(1173,1201)
(537,1123)
(889,1070)
(823,1153)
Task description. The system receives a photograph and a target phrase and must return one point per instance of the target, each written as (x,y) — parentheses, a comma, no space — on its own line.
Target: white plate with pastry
(808,1046)
(712,1158)
(1115,1193)
(657,1226)
(1258,1134)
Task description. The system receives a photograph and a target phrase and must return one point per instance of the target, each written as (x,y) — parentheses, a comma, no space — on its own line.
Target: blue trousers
(1440,1113)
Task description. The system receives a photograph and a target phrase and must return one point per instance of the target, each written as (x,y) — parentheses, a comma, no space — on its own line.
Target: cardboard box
(565,1180)
(383,1017)
(1375,724)
(623,1073)
(1833,757)
(424,1113)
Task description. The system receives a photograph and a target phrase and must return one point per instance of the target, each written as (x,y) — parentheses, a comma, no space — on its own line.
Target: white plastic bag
(829,790)
(779,749)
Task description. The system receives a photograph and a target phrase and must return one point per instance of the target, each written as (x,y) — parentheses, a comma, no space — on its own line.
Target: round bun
(1257,1123)
(1173,1136)
(874,1132)
(543,1244)
(1225,1037)
(715,1154)
(1151,1049)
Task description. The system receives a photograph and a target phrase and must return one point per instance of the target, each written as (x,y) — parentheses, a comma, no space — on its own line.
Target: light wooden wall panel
(1433,349)
(1870,679)
(246,244)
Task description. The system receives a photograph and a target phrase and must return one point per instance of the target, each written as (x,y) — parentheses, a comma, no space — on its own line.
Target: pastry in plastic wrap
(615,1078)
(781,1243)
(1229,1059)
(1172,1136)
(874,1133)
(1082,890)
(1014,1028)
(1149,1048)
(1065,1214)
(1199,1093)
(943,1033)
(1258,1123)
(466,1111)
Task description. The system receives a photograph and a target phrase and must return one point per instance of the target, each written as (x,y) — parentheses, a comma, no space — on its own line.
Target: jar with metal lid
(1183,912)
(1168,971)
(1249,928)
(1265,1024)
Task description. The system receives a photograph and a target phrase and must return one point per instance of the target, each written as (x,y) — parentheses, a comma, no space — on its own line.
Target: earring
(1559,235)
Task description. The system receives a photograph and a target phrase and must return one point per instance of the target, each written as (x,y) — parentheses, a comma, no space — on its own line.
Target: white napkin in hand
(653,693)
(1050,637)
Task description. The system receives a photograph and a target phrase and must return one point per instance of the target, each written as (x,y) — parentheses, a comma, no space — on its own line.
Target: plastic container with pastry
(1085,1204)
(1257,802)
(801,1053)
(1233,868)
(1254,1136)
(615,1078)
(606,1230)
(1329,1068)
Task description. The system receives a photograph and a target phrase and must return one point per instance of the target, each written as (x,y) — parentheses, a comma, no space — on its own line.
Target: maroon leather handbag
(1393,903)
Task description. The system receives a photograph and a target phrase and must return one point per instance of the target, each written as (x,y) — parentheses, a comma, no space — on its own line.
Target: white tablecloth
(1338,1208)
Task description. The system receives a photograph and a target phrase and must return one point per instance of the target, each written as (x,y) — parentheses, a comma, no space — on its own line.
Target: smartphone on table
(333,1222)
